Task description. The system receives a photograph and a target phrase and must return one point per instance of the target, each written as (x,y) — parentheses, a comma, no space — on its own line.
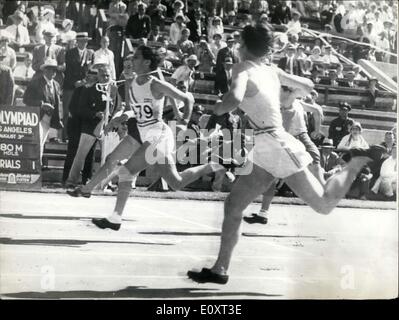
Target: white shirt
(347,143)
(106,55)
(331,58)
(183,73)
(23,34)
(21,71)
(294,27)
(175,33)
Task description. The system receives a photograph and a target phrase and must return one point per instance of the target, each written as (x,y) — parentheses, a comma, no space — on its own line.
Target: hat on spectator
(351,72)
(328,26)
(47,9)
(180,3)
(179,15)
(327,47)
(229,38)
(327,144)
(217,19)
(357,125)
(373,79)
(232,13)
(236,34)
(17,15)
(301,47)
(51,32)
(290,46)
(49,63)
(193,57)
(314,93)
(92,71)
(99,62)
(82,36)
(66,23)
(345,105)
(228,60)
(217,35)
(263,16)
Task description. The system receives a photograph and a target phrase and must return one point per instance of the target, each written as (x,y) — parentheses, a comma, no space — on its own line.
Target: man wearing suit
(92,112)
(225,52)
(329,160)
(289,63)
(139,25)
(74,128)
(332,79)
(197,27)
(19,33)
(45,92)
(6,86)
(223,77)
(77,62)
(49,50)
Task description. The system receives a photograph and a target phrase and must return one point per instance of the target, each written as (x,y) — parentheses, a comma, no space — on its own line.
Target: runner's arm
(233,98)
(166,89)
(293,81)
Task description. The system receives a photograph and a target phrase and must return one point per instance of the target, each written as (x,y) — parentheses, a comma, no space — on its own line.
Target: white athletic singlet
(294,118)
(148,110)
(263,109)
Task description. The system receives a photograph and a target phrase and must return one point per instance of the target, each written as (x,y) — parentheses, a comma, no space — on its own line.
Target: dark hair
(149,53)
(258,39)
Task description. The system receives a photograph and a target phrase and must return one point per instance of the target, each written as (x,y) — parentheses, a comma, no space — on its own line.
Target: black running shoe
(103,223)
(206,275)
(77,193)
(255,218)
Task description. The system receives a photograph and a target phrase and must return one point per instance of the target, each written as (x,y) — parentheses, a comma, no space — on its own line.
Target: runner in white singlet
(150,140)
(255,89)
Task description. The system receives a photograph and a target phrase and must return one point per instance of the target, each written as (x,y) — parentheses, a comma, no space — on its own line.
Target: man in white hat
(45,92)
(329,160)
(7,55)
(18,32)
(67,36)
(45,23)
(186,72)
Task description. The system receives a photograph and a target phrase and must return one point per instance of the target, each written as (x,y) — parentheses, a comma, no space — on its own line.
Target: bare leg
(323,199)
(244,191)
(123,150)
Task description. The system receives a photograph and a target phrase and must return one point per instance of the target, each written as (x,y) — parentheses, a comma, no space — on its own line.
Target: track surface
(50,249)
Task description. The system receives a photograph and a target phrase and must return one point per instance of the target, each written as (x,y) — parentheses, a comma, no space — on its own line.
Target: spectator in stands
(231,19)
(74,129)
(116,34)
(389,141)
(307,67)
(45,92)
(223,77)
(369,32)
(339,127)
(340,69)
(158,17)
(329,57)
(281,14)
(300,53)
(294,40)
(372,93)
(177,9)
(382,42)
(186,46)
(138,25)
(349,21)
(315,74)
(49,50)
(155,34)
(385,186)
(164,64)
(25,71)
(215,27)
(332,79)
(117,7)
(354,139)
(244,20)
(329,160)
(185,72)
(289,63)
(77,63)
(176,29)
(350,80)
(294,25)
(156,8)
(197,26)
(7,85)
(18,32)
(257,8)
(67,37)
(91,110)
(106,55)
(316,55)
(206,57)
(227,51)
(45,23)
(8,57)
(217,44)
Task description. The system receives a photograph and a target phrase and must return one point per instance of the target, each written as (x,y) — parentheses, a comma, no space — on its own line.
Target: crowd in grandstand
(49,52)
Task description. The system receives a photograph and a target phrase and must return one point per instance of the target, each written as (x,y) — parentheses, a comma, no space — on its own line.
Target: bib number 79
(143,111)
